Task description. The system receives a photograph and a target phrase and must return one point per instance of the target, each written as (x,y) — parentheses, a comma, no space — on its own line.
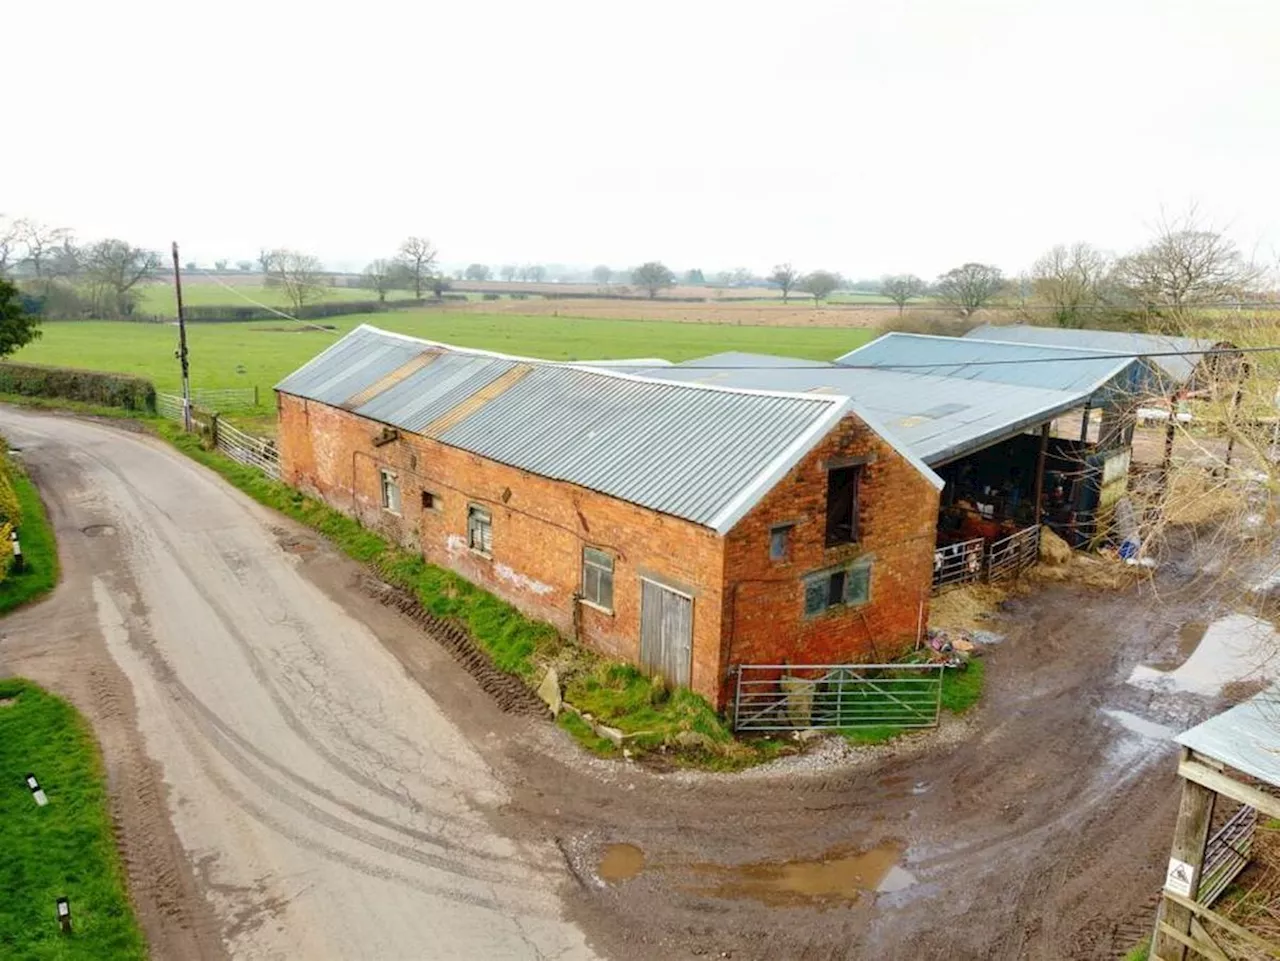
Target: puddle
(841,876)
(1231,649)
(1140,725)
(620,862)
(98,530)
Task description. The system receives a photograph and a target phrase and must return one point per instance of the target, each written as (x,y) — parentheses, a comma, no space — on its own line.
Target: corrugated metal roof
(354,363)
(937,418)
(704,454)
(1024,365)
(1179,368)
(1246,737)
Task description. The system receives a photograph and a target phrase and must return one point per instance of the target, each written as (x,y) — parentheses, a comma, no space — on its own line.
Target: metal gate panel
(666,632)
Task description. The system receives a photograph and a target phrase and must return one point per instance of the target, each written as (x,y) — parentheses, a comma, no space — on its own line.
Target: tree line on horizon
(1184,264)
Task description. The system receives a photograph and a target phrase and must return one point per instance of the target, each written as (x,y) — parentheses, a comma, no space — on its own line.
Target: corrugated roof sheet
(1023,365)
(1179,368)
(688,450)
(938,418)
(1246,737)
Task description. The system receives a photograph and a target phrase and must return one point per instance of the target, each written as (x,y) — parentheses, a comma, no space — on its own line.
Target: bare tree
(901,288)
(10,237)
(509,272)
(418,256)
(1187,264)
(1073,280)
(970,287)
(476,272)
(264,262)
(380,276)
(537,273)
(819,285)
(220,264)
(653,277)
(602,274)
(113,269)
(244,266)
(786,277)
(300,275)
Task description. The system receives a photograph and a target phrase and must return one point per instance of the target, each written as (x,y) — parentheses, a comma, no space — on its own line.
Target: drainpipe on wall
(577,617)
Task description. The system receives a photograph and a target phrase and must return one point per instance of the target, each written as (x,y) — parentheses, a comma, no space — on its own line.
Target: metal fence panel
(780,697)
(958,564)
(224,398)
(170,406)
(259,452)
(1010,555)
(1227,854)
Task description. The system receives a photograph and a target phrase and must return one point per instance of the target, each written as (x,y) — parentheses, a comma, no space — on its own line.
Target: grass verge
(64,849)
(1139,952)
(39,550)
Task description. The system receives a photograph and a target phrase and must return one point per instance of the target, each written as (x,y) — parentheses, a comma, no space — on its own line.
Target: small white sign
(1178,878)
(41,798)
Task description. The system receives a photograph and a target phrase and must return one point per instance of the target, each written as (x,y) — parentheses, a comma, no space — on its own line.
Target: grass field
(261,353)
(64,849)
(159,299)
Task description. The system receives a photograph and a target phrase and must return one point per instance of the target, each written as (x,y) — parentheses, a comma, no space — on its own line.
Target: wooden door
(666,632)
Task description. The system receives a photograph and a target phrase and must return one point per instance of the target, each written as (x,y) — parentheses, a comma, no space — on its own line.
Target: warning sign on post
(1178,878)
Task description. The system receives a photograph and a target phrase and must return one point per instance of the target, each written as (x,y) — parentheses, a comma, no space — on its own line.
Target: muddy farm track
(299,771)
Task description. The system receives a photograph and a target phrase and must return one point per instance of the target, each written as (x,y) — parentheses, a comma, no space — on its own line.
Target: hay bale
(968,607)
(1054,551)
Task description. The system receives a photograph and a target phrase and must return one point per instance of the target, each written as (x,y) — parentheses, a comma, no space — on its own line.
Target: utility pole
(182,343)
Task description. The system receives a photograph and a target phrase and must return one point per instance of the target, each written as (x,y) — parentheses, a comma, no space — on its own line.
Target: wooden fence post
(1190,835)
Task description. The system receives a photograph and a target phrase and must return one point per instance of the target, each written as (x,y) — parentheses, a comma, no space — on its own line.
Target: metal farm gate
(781,697)
(958,564)
(1013,554)
(259,452)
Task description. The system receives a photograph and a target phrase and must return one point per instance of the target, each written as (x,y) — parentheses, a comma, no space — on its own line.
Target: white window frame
(483,518)
(389,483)
(601,571)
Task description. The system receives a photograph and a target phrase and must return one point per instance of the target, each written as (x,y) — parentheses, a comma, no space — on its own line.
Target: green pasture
(158,299)
(261,353)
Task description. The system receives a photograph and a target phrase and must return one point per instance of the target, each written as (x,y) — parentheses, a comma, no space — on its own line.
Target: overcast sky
(864,137)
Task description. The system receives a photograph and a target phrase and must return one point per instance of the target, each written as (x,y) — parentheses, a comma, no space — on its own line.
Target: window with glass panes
(479,529)
(597,577)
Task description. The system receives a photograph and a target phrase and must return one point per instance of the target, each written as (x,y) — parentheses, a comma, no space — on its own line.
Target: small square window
(430,501)
(780,542)
(479,530)
(857,585)
(846,587)
(597,577)
(390,491)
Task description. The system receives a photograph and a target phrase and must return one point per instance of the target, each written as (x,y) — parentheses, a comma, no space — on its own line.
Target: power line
(267,307)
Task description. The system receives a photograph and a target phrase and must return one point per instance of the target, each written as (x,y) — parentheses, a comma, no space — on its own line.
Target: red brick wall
(539,529)
(764,617)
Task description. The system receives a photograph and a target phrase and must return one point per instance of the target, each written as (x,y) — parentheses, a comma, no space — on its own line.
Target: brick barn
(685,528)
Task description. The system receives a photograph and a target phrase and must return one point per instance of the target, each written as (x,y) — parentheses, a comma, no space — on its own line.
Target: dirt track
(325,795)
